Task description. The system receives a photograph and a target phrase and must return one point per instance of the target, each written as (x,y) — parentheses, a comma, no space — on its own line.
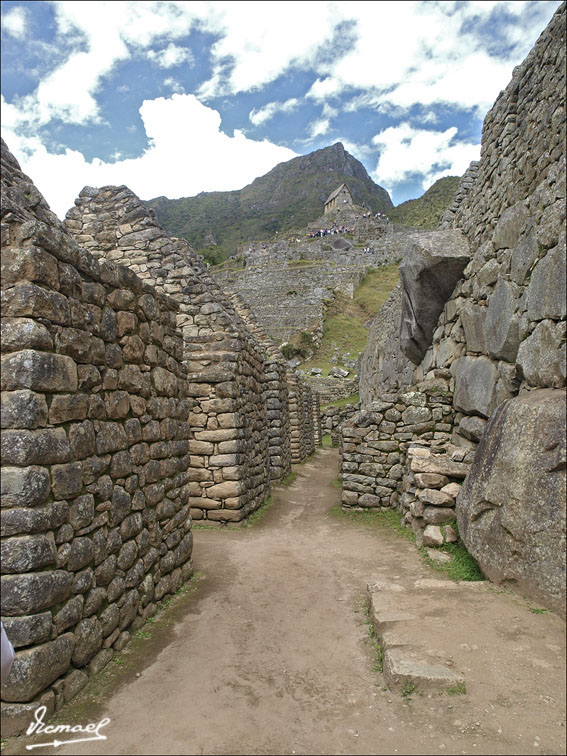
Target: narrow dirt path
(271,653)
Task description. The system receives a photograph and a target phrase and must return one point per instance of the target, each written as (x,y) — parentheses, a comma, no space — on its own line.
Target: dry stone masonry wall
(501,333)
(136,397)
(96,527)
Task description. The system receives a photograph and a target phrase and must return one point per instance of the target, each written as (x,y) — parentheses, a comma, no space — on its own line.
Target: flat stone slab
(409,624)
(401,667)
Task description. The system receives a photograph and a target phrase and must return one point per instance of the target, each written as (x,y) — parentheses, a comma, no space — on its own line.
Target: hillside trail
(270,653)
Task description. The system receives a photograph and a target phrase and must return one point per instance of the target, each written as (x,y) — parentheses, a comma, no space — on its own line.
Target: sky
(176,98)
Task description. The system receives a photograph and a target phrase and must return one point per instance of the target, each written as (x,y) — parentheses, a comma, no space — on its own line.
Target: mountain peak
(291,195)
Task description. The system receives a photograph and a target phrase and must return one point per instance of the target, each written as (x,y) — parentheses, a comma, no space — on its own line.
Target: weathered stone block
(546,292)
(472,320)
(45,446)
(32,593)
(435,498)
(24,333)
(475,385)
(34,669)
(511,509)
(39,371)
(509,226)
(432,265)
(24,487)
(23,631)
(432,536)
(541,357)
(66,480)
(26,553)
(110,437)
(23,409)
(81,554)
(501,326)
(88,640)
(81,513)
(69,615)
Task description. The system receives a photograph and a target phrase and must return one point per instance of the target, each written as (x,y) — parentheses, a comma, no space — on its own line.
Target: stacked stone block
(276,393)
(286,283)
(374,443)
(333,417)
(299,397)
(228,443)
(316,414)
(432,481)
(96,525)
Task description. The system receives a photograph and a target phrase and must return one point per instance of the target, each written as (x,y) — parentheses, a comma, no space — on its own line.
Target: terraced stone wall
(96,525)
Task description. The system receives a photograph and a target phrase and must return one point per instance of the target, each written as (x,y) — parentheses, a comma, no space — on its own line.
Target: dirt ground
(270,653)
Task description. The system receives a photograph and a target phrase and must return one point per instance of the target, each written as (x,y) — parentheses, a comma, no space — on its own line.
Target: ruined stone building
(137,397)
(341,196)
(462,382)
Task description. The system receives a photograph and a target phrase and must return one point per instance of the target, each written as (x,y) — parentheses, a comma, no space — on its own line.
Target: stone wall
(287,282)
(374,443)
(501,333)
(226,364)
(96,525)
(503,329)
(332,389)
(465,185)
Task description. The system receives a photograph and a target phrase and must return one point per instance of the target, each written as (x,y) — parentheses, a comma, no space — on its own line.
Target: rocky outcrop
(432,265)
(383,365)
(511,509)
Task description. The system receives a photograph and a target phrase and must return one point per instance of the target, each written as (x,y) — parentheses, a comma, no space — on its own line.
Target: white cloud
(406,152)
(323,88)
(174,85)
(15,21)
(319,127)
(268,111)
(188,153)
(171,56)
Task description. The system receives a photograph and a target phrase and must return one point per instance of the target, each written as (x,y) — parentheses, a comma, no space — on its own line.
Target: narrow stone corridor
(271,654)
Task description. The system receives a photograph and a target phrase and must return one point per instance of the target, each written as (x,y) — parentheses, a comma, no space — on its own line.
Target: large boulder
(433,263)
(511,508)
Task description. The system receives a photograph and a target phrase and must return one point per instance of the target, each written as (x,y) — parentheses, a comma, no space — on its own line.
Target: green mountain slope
(290,196)
(426,211)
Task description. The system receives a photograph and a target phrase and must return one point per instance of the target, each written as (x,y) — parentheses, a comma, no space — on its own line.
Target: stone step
(404,622)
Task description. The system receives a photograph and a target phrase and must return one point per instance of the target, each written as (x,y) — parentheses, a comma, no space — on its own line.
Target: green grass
(378,650)
(256,516)
(426,211)
(343,327)
(408,689)
(352,399)
(326,441)
(534,610)
(457,690)
(462,566)
(289,478)
(372,518)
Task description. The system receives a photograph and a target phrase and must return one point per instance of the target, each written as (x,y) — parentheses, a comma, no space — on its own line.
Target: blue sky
(175,98)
